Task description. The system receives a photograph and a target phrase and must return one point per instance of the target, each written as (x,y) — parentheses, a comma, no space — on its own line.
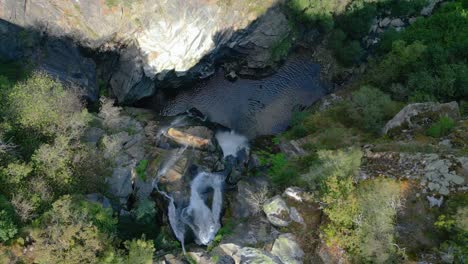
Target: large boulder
(277,211)
(287,249)
(418,115)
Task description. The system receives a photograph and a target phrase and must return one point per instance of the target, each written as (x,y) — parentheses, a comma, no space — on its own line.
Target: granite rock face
(158,40)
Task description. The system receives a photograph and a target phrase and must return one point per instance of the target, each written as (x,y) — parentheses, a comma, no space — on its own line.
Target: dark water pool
(253,107)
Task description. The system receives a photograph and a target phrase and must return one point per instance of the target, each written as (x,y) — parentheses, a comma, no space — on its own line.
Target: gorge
(233,131)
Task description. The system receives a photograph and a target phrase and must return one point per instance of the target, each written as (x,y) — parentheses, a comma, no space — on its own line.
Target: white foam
(231,142)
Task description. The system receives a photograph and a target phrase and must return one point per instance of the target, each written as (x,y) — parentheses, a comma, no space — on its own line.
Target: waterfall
(203,220)
(231,142)
(174,220)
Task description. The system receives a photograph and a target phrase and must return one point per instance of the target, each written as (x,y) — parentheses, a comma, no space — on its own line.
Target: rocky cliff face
(159,40)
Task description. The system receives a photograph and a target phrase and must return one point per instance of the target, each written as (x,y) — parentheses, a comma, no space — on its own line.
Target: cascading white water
(231,142)
(204,220)
(174,220)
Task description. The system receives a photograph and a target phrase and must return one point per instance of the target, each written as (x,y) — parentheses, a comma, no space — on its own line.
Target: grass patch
(441,128)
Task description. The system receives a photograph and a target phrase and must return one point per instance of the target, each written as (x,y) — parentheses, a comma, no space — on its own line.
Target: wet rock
(287,249)
(186,139)
(277,211)
(419,115)
(253,256)
(232,76)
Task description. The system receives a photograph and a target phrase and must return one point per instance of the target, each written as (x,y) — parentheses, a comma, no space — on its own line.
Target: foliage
(427,61)
(313,13)
(8,227)
(281,49)
(441,128)
(372,108)
(453,222)
(74,231)
(339,164)
(141,169)
(378,200)
(140,251)
(346,51)
(145,211)
(43,105)
(280,170)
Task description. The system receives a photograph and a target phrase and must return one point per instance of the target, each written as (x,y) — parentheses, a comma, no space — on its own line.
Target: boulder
(250,196)
(332,254)
(254,256)
(385,22)
(419,115)
(254,231)
(231,250)
(287,249)
(277,211)
(397,22)
(427,10)
(187,139)
(120,183)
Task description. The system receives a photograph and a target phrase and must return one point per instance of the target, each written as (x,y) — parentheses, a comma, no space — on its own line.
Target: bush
(43,105)
(373,108)
(316,13)
(145,211)
(139,251)
(8,228)
(74,231)
(441,128)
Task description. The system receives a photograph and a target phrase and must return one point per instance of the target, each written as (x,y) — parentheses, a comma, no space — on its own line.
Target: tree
(74,231)
(140,251)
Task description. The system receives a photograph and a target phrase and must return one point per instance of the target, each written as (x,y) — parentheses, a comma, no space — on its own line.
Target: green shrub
(280,170)
(139,251)
(441,128)
(74,231)
(8,228)
(373,108)
(145,211)
(316,13)
(141,169)
(339,164)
